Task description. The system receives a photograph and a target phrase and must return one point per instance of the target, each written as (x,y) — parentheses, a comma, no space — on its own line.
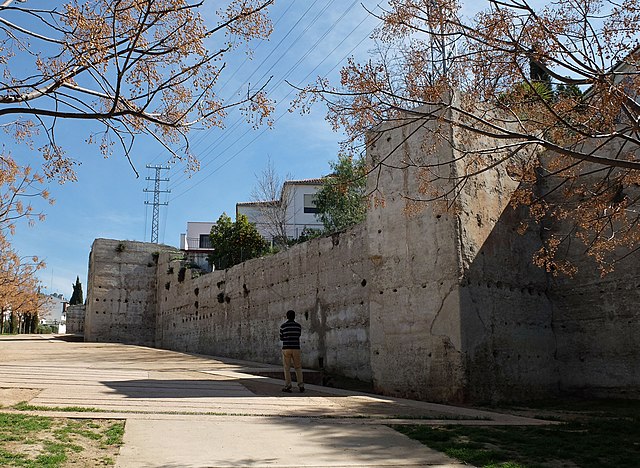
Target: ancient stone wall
(458,311)
(121,293)
(597,324)
(414,301)
(427,303)
(596,319)
(505,311)
(75,319)
(237,312)
(506,318)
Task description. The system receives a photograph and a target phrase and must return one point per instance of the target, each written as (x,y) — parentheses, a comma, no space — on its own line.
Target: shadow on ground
(327,406)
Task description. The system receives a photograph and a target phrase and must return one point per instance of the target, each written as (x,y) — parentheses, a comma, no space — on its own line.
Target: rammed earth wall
(237,312)
(75,319)
(425,304)
(121,294)
(460,313)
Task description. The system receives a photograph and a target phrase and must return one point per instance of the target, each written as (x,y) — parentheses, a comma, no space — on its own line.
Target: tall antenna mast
(156,200)
(442,35)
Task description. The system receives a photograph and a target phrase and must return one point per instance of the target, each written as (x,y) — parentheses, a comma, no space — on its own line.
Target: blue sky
(310,39)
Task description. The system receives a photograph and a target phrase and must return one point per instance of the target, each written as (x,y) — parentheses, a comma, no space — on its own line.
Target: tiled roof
(317,181)
(255,203)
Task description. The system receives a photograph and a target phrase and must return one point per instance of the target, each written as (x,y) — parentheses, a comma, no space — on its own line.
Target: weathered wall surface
(597,319)
(458,312)
(505,312)
(441,306)
(75,319)
(506,318)
(597,322)
(414,301)
(121,292)
(237,312)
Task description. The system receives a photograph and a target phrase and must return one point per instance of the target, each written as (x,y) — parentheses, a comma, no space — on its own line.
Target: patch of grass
(12,459)
(71,429)
(22,424)
(24,406)
(43,442)
(593,435)
(114,434)
(55,454)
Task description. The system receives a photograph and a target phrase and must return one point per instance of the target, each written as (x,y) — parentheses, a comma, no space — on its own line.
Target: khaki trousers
(289,357)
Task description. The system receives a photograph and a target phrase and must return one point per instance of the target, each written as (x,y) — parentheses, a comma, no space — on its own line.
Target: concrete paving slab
(264,442)
(196,411)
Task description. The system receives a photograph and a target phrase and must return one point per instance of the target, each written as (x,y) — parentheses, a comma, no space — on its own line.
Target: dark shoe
(301,389)
(287,389)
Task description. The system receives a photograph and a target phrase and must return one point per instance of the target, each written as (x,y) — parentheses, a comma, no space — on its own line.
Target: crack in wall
(445,337)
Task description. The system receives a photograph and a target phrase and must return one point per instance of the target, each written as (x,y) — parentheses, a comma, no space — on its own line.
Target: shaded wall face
(237,312)
(506,318)
(505,311)
(75,319)
(597,319)
(121,292)
(598,324)
(416,349)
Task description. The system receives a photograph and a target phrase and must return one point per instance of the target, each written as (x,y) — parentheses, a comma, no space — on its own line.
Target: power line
(204,134)
(184,179)
(263,63)
(259,134)
(195,184)
(237,69)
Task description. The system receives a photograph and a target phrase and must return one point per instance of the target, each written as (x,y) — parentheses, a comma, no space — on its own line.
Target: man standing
(290,332)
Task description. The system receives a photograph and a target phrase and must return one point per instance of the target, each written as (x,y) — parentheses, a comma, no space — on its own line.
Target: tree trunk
(13,323)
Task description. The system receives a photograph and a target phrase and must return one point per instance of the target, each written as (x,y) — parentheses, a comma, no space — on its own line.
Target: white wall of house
(254,213)
(197,243)
(300,209)
(300,215)
(53,309)
(197,236)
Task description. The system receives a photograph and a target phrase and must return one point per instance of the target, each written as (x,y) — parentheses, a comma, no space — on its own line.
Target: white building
(53,312)
(298,199)
(298,203)
(197,243)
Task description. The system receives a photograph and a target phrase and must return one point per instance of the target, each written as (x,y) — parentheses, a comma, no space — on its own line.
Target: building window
(310,203)
(205,241)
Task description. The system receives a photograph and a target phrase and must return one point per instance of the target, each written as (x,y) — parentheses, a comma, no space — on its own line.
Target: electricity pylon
(156,200)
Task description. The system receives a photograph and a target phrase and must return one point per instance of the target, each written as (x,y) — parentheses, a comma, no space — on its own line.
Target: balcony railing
(197,243)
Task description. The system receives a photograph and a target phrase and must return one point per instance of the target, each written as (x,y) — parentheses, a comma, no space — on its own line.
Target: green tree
(235,242)
(341,201)
(76,297)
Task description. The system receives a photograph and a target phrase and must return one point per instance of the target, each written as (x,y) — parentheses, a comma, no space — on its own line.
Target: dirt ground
(81,445)
(12,396)
(66,442)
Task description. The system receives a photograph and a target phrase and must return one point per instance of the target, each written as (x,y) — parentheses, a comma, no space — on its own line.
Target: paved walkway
(185,410)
